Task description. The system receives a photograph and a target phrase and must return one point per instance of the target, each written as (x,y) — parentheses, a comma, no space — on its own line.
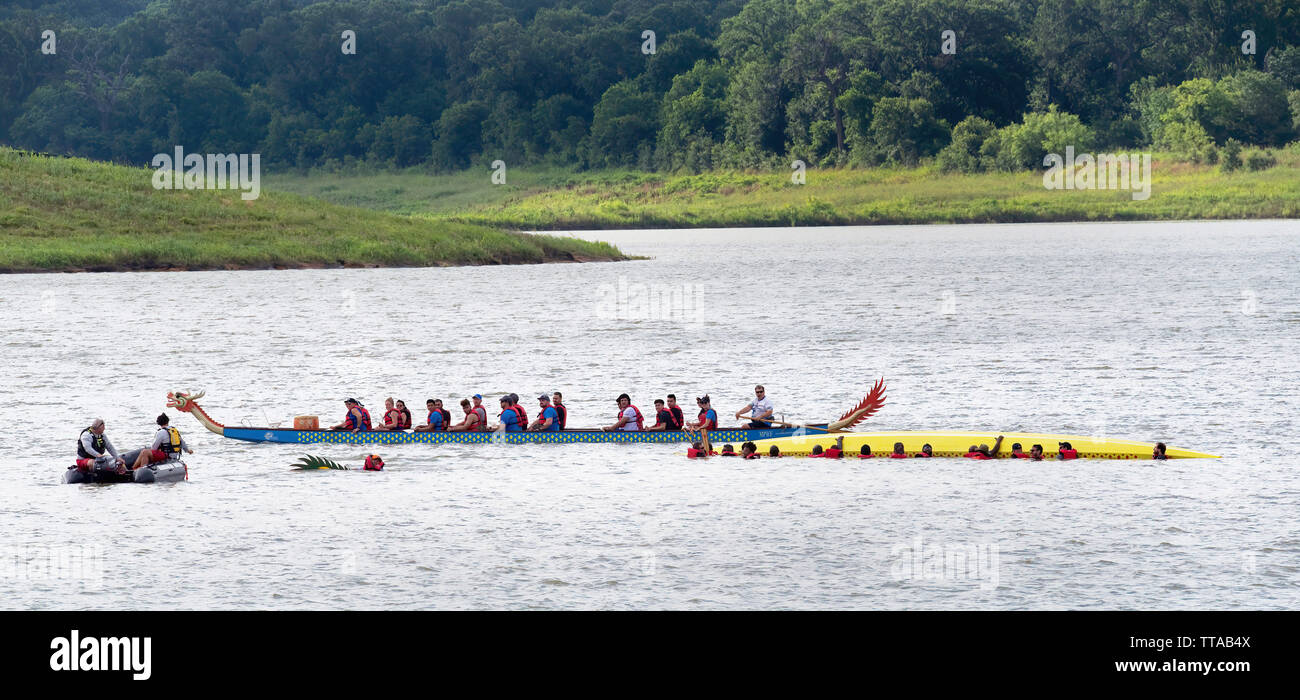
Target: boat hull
(384,437)
(955,444)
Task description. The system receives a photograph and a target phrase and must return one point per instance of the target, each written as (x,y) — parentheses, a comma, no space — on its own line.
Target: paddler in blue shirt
(548,419)
(509,417)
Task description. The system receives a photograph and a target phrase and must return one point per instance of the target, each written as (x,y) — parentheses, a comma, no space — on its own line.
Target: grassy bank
(557,200)
(67,214)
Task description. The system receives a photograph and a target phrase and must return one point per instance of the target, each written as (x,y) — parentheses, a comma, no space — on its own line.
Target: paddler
(94,446)
(629,417)
(1017,452)
(547,418)
(439,418)
(392,416)
(1036,453)
(1159,451)
(357,419)
(926,451)
(898,452)
(708,418)
(1066,451)
(758,409)
(509,417)
(557,402)
(749,450)
(167,444)
(472,420)
(663,417)
(679,419)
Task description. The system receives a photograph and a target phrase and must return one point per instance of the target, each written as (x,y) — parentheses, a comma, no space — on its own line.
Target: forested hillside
(572,83)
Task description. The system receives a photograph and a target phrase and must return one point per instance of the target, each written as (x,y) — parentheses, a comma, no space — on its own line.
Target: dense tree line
(730,83)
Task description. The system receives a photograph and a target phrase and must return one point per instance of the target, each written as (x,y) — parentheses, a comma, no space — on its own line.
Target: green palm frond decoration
(313,462)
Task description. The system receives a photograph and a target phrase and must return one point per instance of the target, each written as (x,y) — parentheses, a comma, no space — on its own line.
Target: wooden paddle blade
(867,407)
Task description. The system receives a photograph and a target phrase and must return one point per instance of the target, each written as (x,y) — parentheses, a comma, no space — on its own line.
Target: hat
(477,396)
(350,400)
(623,396)
(514,397)
(543,397)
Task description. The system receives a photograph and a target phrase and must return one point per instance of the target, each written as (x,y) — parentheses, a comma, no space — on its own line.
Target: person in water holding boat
(749,450)
(547,418)
(93,446)
(926,451)
(983,451)
(663,417)
(357,419)
(708,418)
(1036,453)
(1159,451)
(758,409)
(629,417)
(1065,451)
(1017,452)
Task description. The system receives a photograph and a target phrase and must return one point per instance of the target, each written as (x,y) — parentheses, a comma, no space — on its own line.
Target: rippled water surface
(1183,332)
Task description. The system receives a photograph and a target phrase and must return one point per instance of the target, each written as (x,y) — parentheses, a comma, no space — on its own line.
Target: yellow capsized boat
(952,444)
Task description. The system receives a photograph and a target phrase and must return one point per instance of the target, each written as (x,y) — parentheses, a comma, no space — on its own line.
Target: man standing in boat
(758,409)
(629,417)
(358,417)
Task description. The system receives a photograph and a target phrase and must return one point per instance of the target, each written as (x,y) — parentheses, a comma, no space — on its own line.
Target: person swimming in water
(1159,451)
(926,451)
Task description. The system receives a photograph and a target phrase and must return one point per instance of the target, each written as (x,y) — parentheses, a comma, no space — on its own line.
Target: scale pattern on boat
(380,437)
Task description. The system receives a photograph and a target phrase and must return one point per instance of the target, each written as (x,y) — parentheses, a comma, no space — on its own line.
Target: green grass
(72,214)
(559,200)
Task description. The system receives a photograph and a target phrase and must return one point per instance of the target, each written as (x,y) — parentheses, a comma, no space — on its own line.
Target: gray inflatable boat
(167,472)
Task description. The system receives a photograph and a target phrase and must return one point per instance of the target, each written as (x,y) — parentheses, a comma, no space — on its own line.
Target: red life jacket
(482,418)
(404,420)
(678,420)
(1069,454)
(640,422)
(977,455)
(563,414)
(446,419)
(833,452)
(693,453)
(753,455)
(365,418)
(523,417)
(922,454)
(374,463)
(707,424)
(895,455)
(1019,455)
(396,422)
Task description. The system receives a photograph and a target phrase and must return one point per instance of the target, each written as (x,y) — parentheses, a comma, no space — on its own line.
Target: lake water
(1183,332)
